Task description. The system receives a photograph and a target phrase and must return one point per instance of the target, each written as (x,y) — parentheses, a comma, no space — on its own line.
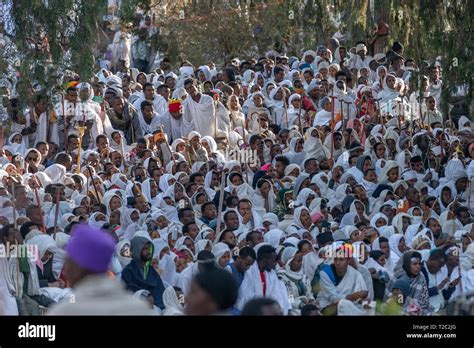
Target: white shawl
(251,287)
(199,116)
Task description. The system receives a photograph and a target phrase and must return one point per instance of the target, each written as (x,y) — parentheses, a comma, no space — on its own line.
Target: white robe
(199,116)
(160,104)
(172,126)
(149,128)
(252,287)
(350,283)
(322,118)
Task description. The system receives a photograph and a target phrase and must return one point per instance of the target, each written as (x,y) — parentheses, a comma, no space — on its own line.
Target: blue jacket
(138,275)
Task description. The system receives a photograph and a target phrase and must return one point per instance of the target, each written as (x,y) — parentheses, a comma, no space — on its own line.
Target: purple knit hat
(91,248)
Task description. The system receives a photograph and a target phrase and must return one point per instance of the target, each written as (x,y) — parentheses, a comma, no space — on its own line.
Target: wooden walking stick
(332,129)
(56,212)
(221,203)
(65,122)
(13,203)
(342,115)
(81,129)
(299,118)
(93,184)
(38,202)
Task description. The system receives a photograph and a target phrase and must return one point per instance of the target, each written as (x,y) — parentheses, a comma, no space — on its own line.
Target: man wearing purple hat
(88,256)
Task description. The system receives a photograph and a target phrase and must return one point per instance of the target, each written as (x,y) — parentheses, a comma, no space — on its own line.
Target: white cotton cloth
(251,287)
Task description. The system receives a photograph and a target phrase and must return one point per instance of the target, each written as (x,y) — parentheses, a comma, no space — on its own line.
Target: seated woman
(409,266)
(296,282)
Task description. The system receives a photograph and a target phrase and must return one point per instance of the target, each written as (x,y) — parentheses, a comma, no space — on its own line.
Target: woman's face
(382,260)
(391,82)
(278,95)
(360,192)
(135,216)
(153,189)
(401,245)
(115,217)
(201,199)
(359,208)
(305,218)
(117,137)
(400,191)
(234,103)
(205,144)
(405,223)
(391,145)
(178,192)
(446,195)
(181,264)
(86,202)
(415,267)
(435,227)
(296,103)
(297,262)
(141,79)
(367,164)
(269,89)
(162,222)
(380,222)
(17,139)
(47,255)
(295,172)
(265,189)
(258,101)
(382,73)
(393,174)
(380,151)
(180,147)
(309,200)
(224,260)
(337,141)
(306,247)
(316,189)
(236,180)
(215,180)
(115,203)
(348,137)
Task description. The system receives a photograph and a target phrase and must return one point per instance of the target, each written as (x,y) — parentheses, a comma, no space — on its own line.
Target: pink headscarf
(361,134)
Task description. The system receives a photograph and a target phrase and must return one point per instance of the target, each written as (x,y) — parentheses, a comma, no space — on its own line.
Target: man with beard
(123,117)
(139,275)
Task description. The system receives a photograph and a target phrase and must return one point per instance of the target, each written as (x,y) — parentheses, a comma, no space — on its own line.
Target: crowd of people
(124,197)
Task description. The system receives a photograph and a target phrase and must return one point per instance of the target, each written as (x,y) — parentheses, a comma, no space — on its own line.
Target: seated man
(341,285)
(139,274)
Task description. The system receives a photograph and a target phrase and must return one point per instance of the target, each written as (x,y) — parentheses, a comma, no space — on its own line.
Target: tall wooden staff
(286,107)
(81,129)
(332,129)
(221,203)
(65,122)
(299,117)
(38,202)
(93,184)
(56,212)
(342,115)
(13,203)
(215,115)
(469,194)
